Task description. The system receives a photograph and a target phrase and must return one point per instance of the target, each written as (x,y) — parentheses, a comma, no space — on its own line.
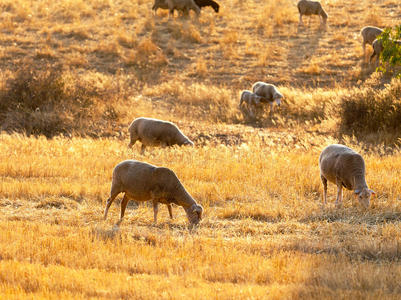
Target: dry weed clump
(47,100)
(370,111)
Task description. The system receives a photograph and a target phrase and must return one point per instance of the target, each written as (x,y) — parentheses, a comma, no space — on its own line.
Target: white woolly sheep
(307,8)
(369,34)
(346,168)
(378,48)
(268,92)
(250,105)
(153,132)
(182,5)
(142,182)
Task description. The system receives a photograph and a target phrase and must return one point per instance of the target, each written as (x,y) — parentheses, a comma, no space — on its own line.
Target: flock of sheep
(142,181)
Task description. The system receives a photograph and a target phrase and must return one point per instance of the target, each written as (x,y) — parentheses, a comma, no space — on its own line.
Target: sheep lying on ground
(250,105)
(153,132)
(369,34)
(307,8)
(142,182)
(346,168)
(268,92)
(378,48)
(182,5)
(211,3)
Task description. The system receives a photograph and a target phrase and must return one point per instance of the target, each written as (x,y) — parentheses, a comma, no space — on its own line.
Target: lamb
(268,92)
(153,132)
(344,167)
(211,3)
(378,48)
(141,181)
(307,8)
(182,5)
(250,104)
(369,34)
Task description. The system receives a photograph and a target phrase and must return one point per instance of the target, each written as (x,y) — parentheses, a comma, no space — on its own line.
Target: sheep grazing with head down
(153,132)
(250,105)
(211,3)
(369,34)
(308,8)
(159,4)
(182,5)
(268,92)
(346,168)
(378,48)
(142,182)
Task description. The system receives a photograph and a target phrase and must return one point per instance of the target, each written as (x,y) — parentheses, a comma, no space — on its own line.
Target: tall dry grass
(264,232)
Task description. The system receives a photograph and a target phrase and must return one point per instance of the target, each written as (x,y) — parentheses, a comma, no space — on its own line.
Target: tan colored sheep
(308,8)
(154,132)
(346,168)
(250,105)
(378,48)
(369,34)
(182,5)
(141,181)
(268,92)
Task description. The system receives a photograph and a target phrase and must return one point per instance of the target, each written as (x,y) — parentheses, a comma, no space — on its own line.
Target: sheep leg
(301,23)
(155,210)
(324,181)
(339,199)
(113,195)
(170,210)
(123,206)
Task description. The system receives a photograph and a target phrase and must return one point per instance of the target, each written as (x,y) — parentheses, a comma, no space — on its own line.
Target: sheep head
(364,196)
(194,213)
(277,98)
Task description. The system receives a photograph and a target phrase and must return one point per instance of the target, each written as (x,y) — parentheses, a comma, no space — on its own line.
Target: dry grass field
(75,73)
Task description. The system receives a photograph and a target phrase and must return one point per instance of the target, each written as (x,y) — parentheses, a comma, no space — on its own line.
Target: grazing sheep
(153,132)
(182,5)
(250,105)
(268,92)
(142,182)
(307,8)
(346,168)
(369,34)
(378,48)
(211,3)
(159,4)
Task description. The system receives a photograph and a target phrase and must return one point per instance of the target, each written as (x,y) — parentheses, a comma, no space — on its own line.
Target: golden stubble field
(265,233)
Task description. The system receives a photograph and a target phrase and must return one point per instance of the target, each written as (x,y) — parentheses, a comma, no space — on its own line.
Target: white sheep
(250,105)
(154,132)
(378,48)
(307,8)
(182,5)
(268,92)
(142,182)
(369,34)
(346,168)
